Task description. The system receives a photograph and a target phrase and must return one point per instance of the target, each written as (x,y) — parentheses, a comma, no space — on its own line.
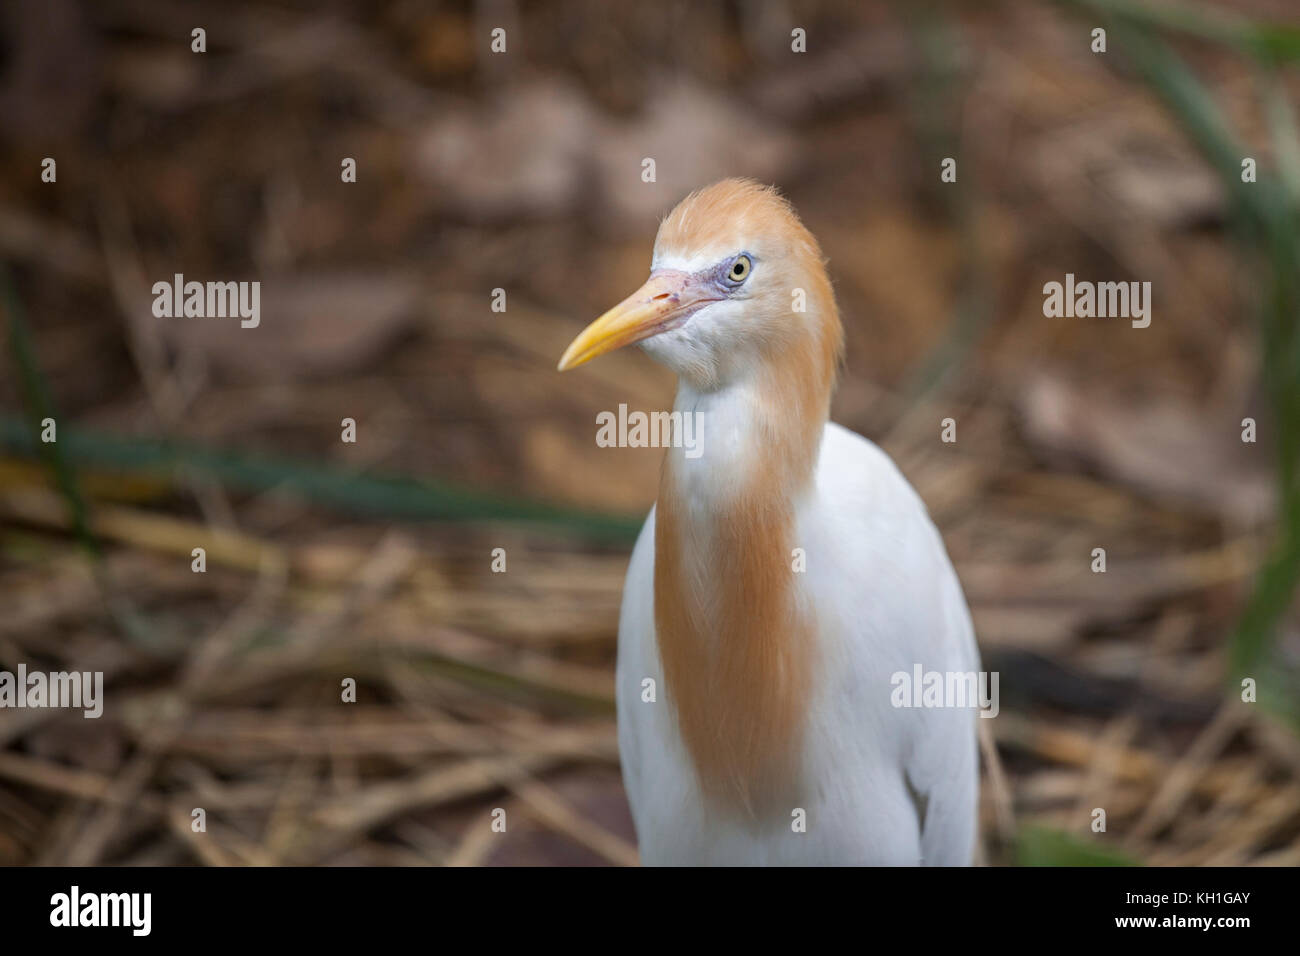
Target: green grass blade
(1042,846)
(378,495)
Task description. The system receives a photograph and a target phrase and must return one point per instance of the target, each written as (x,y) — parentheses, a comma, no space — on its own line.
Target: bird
(784,579)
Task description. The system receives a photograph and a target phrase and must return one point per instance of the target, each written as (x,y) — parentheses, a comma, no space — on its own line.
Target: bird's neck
(735,641)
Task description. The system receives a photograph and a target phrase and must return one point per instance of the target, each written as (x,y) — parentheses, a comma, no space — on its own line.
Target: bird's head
(737,287)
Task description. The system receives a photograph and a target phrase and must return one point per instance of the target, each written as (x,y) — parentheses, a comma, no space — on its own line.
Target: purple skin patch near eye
(718,277)
(676,285)
(721,274)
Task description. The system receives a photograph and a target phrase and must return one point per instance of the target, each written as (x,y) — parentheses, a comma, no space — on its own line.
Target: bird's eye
(739,270)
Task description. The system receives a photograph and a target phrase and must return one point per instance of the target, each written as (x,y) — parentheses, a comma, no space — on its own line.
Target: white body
(884,785)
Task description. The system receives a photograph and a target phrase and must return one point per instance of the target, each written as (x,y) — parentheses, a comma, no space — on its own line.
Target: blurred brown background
(522,171)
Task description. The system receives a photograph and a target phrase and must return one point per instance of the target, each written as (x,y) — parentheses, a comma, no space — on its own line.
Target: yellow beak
(667,299)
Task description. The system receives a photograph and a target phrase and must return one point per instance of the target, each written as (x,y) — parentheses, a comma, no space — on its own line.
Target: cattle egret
(785,579)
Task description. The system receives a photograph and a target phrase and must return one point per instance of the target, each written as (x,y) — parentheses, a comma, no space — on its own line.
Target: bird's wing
(942,775)
(637,660)
(911,611)
(942,766)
